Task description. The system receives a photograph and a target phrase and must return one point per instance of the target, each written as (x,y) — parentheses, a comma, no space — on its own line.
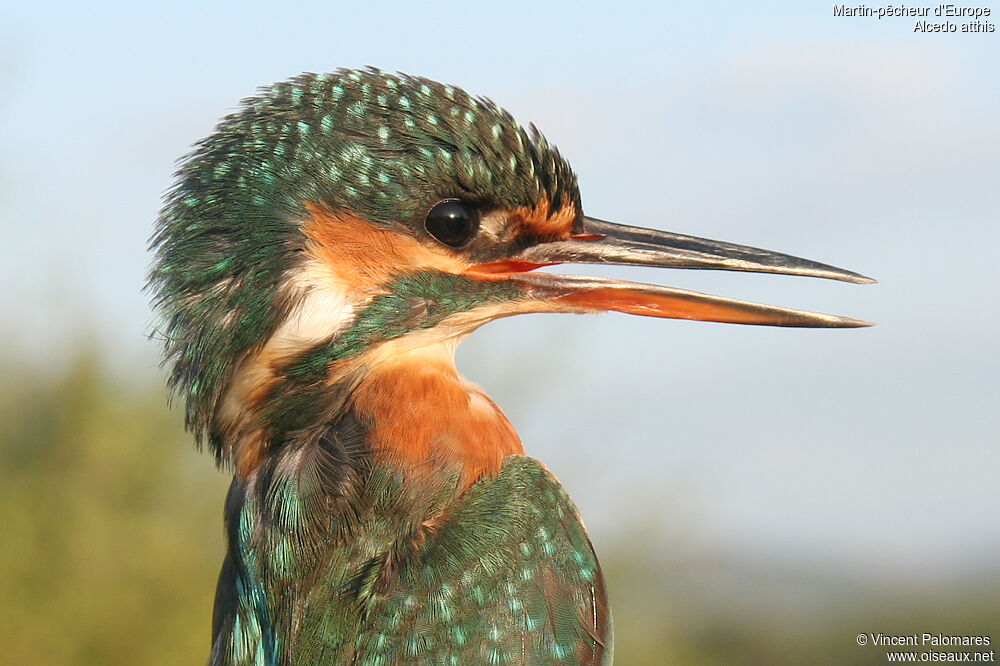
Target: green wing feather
(510,578)
(504,574)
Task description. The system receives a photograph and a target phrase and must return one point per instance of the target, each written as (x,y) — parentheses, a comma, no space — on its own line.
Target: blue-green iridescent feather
(335,557)
(382,146)
(508,576)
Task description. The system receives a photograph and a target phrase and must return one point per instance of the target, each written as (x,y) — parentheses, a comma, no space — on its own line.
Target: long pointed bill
(605,242)
(601,242)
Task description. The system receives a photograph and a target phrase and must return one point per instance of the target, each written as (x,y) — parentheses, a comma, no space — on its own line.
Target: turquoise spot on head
(348,153)
(357,109)
(302,128)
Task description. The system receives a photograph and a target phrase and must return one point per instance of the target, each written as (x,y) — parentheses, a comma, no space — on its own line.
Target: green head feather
(381,146)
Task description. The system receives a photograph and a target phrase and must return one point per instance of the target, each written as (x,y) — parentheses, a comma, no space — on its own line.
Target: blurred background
(757,496)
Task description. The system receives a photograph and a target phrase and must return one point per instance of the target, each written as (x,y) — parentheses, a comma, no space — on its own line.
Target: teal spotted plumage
(383,146)
(332,558)
(503,581)
(320,257)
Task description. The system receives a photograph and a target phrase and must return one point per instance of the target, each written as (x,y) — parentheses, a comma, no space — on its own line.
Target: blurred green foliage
(112,539)
(112,524)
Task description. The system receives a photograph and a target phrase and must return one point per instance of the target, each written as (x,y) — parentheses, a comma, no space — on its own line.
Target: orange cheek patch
(243,403)
(365,256)
(540,221)
(425,418)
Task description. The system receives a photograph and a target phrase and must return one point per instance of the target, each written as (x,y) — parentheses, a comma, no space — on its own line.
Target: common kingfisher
(317,262)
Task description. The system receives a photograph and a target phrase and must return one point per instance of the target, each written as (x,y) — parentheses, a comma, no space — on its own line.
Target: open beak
(601,242)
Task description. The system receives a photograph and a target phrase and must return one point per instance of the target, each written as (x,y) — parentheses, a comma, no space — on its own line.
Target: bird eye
(452,222)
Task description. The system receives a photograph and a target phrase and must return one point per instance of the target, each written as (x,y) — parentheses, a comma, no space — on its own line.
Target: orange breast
(427,418)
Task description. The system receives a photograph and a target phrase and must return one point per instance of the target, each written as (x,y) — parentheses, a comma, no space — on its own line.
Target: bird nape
(319,259)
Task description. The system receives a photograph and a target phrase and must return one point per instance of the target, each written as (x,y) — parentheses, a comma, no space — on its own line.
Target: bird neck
(418,414)
(426,419)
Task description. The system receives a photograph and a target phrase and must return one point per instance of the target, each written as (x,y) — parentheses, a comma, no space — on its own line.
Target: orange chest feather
(427,418)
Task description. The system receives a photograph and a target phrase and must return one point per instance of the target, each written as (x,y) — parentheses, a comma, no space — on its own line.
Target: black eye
(452,222)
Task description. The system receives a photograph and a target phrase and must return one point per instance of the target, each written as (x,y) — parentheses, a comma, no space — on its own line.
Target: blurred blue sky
(847,140)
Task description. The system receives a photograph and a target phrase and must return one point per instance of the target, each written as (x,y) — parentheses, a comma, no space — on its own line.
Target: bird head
(335,221)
